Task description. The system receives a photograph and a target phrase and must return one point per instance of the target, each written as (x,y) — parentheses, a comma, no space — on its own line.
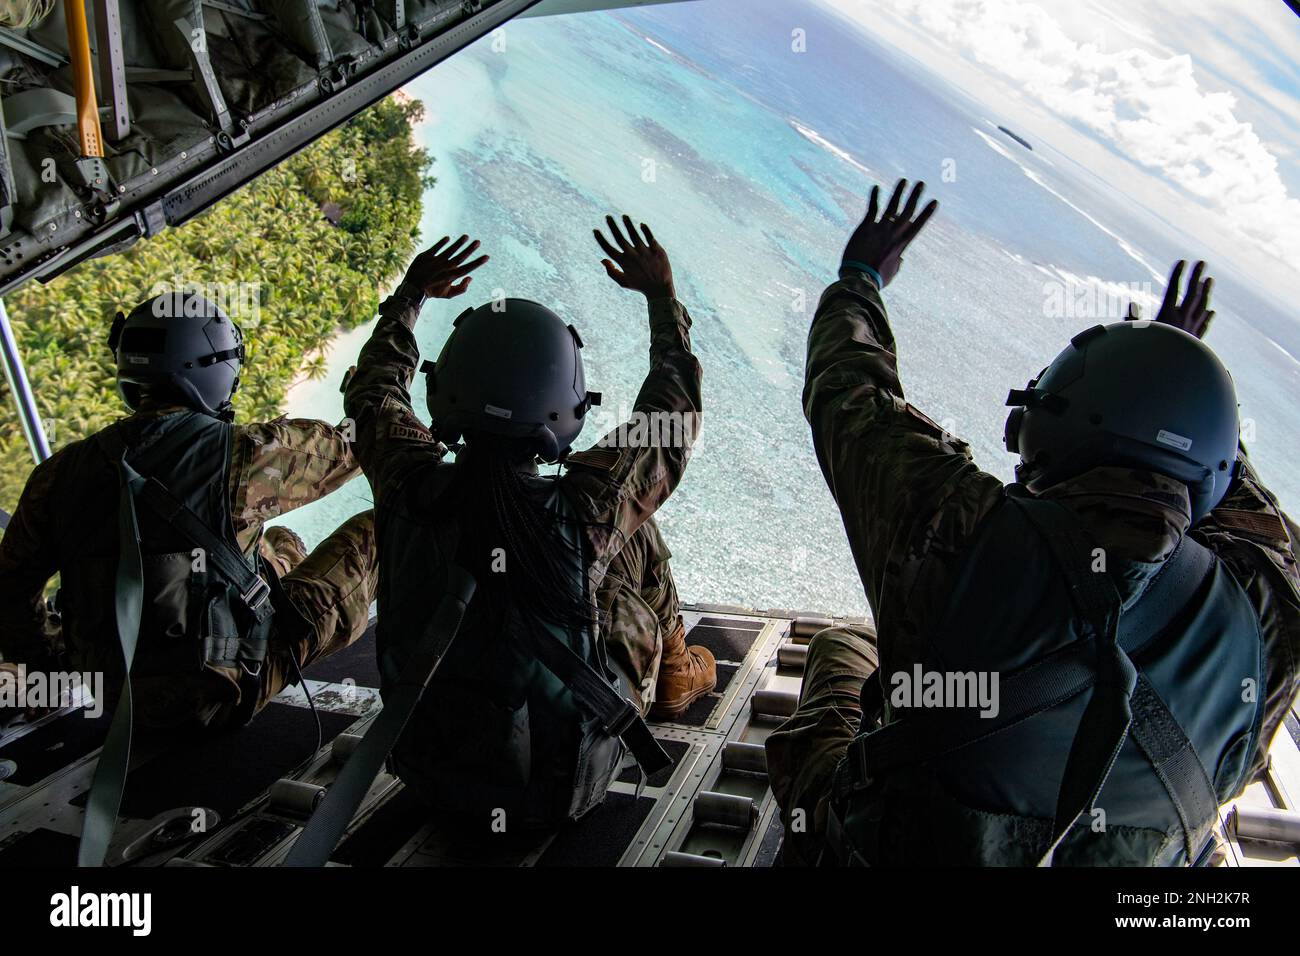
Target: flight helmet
(181,341)
(1144,395)
(511,370)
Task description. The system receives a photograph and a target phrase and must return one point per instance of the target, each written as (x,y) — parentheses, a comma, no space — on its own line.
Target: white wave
(994,145)
(1281,349)
(659,46)
(815,137)
(1034,177)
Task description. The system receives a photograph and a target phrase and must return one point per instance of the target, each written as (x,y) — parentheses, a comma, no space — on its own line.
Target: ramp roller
(294,798)
(746,758)
(774,704)
(1263,823)
(793,656)
(342,746)
(804,627)
(725,810)
(673,858)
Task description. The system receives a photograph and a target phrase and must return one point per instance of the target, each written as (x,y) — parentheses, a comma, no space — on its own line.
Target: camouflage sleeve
(391,441)
(284,464)
(27,562)
(629,473)
(908,491)
(1257,541)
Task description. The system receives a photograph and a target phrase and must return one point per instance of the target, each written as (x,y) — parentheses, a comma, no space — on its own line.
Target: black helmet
(1137,394)
(184,342)
(511,369)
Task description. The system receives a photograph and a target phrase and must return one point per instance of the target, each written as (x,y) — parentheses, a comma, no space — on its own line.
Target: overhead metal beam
(551,8)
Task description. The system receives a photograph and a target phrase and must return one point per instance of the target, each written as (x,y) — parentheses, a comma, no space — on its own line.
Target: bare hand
(637,264)
(880,244)
(442,271)
(1193,314)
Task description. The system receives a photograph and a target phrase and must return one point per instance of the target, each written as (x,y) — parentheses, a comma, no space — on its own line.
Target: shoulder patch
(1263,525)
(597,459)
(409,428)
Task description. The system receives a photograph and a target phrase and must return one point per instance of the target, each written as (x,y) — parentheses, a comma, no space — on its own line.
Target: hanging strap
(318,839)
(109,782)
(1063,675)
(618,716)
(1178,766)
(254,592)
(105,795)
(1106,719)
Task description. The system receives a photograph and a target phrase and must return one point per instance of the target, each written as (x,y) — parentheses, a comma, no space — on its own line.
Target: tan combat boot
(685,675)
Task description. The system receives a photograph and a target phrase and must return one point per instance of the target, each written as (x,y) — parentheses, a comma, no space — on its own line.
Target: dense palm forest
(295,256)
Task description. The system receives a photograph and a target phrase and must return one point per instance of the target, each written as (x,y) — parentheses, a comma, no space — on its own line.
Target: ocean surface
(752,162)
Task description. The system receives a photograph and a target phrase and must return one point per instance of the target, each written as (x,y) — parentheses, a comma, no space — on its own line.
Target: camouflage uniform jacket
(275,467)
(616,485)
(911,498)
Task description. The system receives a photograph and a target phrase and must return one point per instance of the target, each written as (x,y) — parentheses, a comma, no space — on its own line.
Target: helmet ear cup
(1011,433)
(1137,395)
(510,371)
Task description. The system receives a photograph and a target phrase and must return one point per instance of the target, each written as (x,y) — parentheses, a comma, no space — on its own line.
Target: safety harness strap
(1123,702)
(319,837)
(105,795)
(618,716)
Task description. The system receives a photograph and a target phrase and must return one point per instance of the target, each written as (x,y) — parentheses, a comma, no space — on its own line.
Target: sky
(1193,113)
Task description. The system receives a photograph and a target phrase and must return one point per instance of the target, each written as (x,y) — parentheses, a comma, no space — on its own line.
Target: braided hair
(497,509)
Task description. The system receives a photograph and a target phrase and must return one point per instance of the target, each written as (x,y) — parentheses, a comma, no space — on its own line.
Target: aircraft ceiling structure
(122,117)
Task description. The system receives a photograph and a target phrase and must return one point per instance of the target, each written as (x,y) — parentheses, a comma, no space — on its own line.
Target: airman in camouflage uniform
(616,485)
(275,467)
(912,499)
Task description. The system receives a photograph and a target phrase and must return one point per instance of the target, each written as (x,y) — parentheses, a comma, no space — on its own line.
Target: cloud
(1146,104)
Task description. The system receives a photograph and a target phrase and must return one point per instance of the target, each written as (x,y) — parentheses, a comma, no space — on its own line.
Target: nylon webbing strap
(105,794)
(1061,676)
(618,717)
(318,839)
(1105,723)
(253,589)
(1176,763)
(930,735)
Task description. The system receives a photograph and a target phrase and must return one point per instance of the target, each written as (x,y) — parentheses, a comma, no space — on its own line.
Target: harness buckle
(627,715)
(257,594)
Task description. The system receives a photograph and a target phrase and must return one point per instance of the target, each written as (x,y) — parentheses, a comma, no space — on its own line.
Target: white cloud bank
(1146,104)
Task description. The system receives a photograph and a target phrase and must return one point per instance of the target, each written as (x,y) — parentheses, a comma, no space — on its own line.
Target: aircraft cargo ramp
(241,799)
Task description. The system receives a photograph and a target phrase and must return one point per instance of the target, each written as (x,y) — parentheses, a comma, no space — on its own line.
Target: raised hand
(879,243)
(636,261)
(1193,314)
(443,271)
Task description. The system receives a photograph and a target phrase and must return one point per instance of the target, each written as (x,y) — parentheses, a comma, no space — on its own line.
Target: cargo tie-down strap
(1124,701)
(318,839)
(618,716)
(105,795)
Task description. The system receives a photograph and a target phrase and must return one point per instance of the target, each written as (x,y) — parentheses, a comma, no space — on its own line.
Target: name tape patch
(1173,440)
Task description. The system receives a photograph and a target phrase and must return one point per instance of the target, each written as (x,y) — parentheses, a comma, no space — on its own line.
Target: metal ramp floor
(240,799)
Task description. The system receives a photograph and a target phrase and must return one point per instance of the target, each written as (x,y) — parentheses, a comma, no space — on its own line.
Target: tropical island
(296,256)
